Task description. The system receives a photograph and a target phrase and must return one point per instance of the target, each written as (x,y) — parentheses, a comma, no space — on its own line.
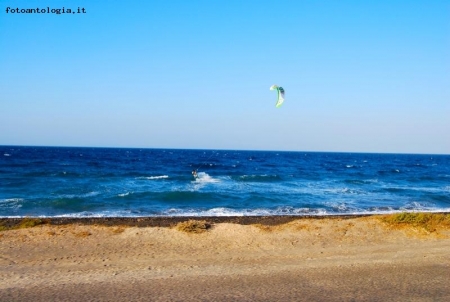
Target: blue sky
(360,76)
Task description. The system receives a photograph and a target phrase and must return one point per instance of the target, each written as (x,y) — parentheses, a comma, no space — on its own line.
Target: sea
(121,182)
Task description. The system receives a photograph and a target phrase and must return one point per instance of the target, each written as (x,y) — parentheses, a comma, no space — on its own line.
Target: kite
(280,97)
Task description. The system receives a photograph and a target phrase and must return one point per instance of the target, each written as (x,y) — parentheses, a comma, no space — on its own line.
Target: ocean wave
(153,177)
(203,177)
(387,172)
(340,191)
(259,178)
(11,203)
(83,195)
(11,200)
(229,212)
(361,181)
(417,206)
(215,212)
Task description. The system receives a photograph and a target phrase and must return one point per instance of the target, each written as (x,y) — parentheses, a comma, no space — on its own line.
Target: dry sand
(332,259)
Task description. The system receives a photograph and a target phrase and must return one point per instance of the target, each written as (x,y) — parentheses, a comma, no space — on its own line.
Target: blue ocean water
(109,182)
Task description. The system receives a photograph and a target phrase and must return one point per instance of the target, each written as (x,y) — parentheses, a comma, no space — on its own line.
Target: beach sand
(261,259)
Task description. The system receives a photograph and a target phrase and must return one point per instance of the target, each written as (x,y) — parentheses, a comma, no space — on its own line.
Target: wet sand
(237,259)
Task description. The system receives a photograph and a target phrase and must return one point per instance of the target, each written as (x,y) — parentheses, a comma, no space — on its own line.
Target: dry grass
(25,223)
(31,222)
(429,222)
(193,226)
(297,225)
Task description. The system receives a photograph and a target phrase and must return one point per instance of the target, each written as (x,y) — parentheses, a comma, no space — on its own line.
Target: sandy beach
(258,259)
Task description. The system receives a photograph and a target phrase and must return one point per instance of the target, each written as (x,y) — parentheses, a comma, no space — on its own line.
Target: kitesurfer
(194,173)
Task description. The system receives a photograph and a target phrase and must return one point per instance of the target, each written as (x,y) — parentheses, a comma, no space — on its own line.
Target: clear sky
(359,76)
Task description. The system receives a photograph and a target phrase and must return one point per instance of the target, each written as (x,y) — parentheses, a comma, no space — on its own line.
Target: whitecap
(11,200)
(11,203)
(153,177)
(203,177)
(222,212)
(89,194)
(93,193)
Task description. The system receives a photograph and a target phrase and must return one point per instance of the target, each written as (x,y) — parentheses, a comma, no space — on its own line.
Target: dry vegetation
(424,222)
(306,225)
(24,223)
(193,226)
(429,222)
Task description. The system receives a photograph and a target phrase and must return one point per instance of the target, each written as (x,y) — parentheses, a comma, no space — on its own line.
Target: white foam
(203,177)
(222,212)
(227,212)
(11,203)
(154,177)
(89,194)
(11,200)
(6,154)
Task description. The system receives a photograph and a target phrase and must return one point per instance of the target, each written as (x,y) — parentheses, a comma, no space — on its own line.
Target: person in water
(194,173)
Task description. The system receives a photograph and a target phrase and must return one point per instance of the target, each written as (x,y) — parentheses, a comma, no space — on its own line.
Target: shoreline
(168,221)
